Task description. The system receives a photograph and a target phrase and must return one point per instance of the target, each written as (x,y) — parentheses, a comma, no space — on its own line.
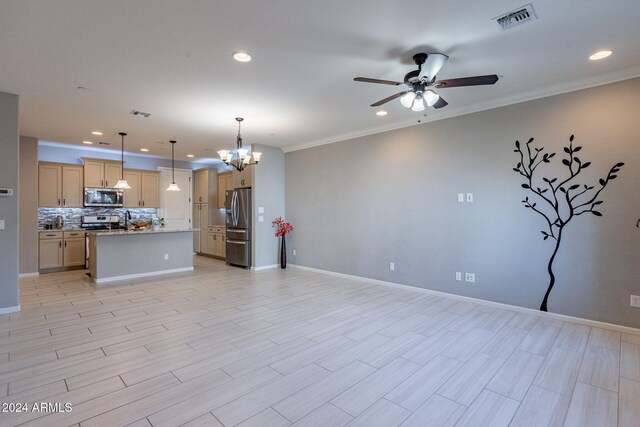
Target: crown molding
(613,77)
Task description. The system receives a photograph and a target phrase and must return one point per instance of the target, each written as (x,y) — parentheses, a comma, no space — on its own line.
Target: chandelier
(242,156)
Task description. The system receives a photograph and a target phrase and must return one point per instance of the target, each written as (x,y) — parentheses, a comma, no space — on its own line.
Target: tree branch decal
(561,200)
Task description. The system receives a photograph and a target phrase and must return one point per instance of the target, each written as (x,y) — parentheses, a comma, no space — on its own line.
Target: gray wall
(9,162)
(360,204)
(268,192)
(28,205)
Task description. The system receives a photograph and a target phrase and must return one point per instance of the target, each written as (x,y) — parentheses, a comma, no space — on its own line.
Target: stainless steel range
(93,223)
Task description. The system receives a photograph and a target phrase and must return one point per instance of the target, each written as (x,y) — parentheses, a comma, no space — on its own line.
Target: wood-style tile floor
(225,346)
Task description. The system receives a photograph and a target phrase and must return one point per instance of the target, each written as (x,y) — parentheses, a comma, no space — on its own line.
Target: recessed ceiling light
(144,150)
(600,55)
(96,132)
(87,142)
(381,113)
(241,56)
(190,155)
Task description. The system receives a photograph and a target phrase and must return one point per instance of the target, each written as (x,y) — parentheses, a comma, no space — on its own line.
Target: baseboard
(139,275)
(265,267)
(580,320)
(21,275)
(7,310)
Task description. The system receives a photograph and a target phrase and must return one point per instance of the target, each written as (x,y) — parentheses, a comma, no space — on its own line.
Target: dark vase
(283,253)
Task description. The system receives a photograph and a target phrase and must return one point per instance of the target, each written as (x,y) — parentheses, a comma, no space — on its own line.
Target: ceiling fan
(419,83)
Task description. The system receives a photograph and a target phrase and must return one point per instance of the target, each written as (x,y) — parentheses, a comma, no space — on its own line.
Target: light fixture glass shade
(224,155)
(173,187)
(242,153)
(407,99)
(256,156)
(418,104)
(247,160)
(122,184)
(431,97)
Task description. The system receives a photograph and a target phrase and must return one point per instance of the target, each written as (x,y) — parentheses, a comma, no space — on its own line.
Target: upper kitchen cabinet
(60,185)
(205,186)
(144,191)
(225,182)
(243,179)
(100,173)
(201,186)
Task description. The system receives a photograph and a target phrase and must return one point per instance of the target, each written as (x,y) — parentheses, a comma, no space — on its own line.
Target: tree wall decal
(562,200)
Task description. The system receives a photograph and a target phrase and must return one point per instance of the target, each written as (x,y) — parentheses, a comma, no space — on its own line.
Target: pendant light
(122,183)
(243,159)
(173,186)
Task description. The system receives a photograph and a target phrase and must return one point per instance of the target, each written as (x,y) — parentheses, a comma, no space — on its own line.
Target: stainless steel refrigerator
(238,222)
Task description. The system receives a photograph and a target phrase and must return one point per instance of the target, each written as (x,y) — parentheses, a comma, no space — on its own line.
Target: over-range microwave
(103,197)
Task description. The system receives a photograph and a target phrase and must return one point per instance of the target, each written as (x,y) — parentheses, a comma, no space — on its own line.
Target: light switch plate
(260,218)
(458,276)
(460,197)
(1,224)
(469,197)
(260,209)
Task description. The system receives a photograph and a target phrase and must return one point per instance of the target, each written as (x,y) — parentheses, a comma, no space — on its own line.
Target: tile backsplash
(72,216)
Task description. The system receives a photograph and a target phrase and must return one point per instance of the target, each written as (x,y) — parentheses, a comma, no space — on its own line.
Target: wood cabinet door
(132,198)
(150,193)
(196,227)
(221,190)
(224,246)
(72,187)
(49,186)
(243,179)
(201,186)
(51,253)
(93,174)
(112,174)
(73,252)
(228,181)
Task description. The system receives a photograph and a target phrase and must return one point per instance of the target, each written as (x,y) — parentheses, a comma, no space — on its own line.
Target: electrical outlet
(458,276)
(294,252)
(392,266)
(469,277)
(460,197)
(635,301)
(166,257)
(469,197)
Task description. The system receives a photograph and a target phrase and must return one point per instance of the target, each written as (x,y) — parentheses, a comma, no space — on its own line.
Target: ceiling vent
(140,113)
(104,143)
(516,17)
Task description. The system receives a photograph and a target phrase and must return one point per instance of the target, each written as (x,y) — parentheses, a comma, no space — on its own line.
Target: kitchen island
(128,254)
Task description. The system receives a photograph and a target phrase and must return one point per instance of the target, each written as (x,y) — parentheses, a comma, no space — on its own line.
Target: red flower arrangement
(282,227)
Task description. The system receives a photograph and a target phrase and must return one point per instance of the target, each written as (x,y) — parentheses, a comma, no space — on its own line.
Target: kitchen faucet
(127,217)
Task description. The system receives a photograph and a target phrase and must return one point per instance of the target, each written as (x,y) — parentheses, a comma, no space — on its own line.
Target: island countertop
(143,231)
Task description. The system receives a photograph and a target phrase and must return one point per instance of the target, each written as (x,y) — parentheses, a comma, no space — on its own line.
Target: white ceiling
(173,60)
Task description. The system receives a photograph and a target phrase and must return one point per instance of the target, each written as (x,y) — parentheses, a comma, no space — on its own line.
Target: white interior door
(175,206)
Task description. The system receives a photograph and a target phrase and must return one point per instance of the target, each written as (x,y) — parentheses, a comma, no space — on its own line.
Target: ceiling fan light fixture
(418,103)
(407,99)
(431,97)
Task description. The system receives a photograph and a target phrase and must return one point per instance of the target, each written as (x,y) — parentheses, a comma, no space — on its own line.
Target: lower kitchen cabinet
(216,238)
(61,249)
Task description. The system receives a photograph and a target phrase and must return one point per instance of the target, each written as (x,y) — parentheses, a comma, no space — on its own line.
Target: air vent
(104,143)
(516,17)
(140,113)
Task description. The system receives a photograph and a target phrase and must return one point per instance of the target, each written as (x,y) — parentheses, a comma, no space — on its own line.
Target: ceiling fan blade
(440,103)
(467,81)
(432,65)
(389,98)
(383,82)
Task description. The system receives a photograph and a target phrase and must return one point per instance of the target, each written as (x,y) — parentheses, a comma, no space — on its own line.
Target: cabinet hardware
(143,203)
(60,243)
(58,202)
(65,243)
(64,202)
(102,183)
(106,183)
